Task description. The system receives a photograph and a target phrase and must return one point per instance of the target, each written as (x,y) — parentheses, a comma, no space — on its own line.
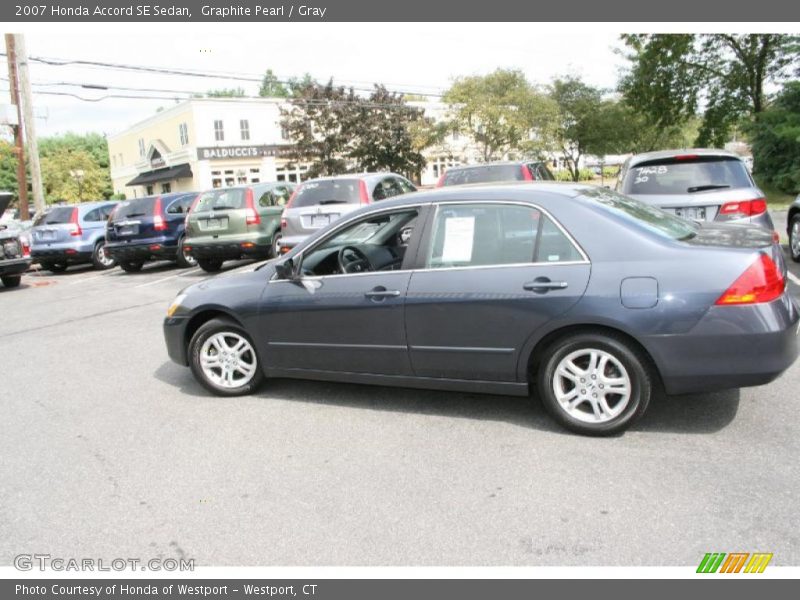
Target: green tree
(72,175)
(672,76)
(385,138)
(322,121)
(8,168)
(501,111)
(93,144)
(226,93)
(776,141)
(272,87)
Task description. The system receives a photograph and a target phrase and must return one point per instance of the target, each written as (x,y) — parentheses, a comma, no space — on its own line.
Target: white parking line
(794,278)
(167,278)
(103,274)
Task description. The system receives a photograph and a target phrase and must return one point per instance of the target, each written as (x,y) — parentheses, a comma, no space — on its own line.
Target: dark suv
(150,228)
(496,172)
(15,252)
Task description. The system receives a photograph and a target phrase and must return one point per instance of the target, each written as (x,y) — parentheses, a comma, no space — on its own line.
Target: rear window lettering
(686,176)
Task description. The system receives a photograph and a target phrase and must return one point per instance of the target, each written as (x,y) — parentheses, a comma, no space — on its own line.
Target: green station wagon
(236,222)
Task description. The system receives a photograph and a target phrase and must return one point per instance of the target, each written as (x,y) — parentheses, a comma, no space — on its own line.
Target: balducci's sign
(223,152)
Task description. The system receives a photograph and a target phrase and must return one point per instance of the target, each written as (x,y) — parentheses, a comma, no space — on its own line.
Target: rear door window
(686,175)
(330,191)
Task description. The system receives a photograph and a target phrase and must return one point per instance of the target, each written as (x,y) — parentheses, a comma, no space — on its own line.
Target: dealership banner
(407,11)
(383,589)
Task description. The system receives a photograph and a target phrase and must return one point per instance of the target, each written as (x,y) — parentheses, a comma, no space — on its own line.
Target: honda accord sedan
(587,298)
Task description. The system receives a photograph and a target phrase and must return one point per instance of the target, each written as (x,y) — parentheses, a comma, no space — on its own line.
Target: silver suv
(319,202)
(700,185)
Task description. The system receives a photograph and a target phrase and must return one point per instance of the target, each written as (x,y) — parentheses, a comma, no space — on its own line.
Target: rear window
(55,216)
(687,176)
(139,207)
(483,174)
(643,215)
(330,191)
(227,199)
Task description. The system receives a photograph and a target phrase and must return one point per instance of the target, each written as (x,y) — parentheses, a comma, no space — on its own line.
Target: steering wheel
(353,260)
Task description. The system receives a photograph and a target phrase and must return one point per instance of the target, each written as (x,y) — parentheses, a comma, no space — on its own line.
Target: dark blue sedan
(584,296)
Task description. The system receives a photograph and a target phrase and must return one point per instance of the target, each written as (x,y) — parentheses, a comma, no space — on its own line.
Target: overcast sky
(424,57)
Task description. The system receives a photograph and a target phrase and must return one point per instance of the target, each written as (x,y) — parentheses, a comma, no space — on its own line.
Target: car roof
(497,163)
(662,154)
(86,205)
(364,176)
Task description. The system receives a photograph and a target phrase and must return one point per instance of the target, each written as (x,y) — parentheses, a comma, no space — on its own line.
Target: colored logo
(735,562)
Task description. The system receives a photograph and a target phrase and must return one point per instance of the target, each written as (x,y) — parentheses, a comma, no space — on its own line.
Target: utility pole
(19,148)
(30,122)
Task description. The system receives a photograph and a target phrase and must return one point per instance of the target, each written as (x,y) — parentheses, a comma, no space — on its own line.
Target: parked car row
(15,251)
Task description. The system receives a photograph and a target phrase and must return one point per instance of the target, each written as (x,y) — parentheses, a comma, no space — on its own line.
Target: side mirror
(287,269)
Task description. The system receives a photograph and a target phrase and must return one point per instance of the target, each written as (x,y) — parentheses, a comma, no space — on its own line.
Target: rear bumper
(731,347)
(230,247)
(175,338)
(68,255)
(142,252)
(14,266)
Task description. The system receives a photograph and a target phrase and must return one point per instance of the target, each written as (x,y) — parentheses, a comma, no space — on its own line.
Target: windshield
(644,215)
(687,176)
(328,191)
(228,199)
(483,174)
(55,216)
(139,207)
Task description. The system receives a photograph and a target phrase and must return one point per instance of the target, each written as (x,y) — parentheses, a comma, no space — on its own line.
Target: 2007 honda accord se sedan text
(589,298)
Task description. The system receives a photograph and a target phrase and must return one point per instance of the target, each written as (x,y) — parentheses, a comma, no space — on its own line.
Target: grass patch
(776,199)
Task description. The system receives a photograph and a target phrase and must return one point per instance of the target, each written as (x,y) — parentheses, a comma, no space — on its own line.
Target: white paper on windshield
(459,233)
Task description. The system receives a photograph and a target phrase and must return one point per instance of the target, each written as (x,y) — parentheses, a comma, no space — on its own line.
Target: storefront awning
(165,174)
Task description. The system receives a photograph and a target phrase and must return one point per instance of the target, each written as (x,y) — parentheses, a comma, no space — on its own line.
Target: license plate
(216,223)
(697,213)
(127,230)
(320,220)
(48,236)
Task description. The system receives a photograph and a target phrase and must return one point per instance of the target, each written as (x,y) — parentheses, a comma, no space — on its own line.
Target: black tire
(210,265)
(130,266)
(794,238)
(100,259)
(55,267)
(630,359)
(11,281)
(212,328)
(184,260)
(274,249)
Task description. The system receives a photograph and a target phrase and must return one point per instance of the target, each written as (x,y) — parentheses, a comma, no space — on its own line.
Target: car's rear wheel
(185,260)
(100,258)
(210,265)
(130,266)
(11,281)
(794,238)
(275,248)
(224,360)
(54,267)
(594,384)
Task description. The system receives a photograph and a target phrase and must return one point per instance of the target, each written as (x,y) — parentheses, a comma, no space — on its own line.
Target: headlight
(175,304)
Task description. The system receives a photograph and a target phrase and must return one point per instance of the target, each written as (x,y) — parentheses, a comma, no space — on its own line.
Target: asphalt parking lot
(110,450)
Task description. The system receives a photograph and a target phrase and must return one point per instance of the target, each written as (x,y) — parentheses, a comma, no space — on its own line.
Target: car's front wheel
(594,384)
(11,281)
(794,238)
(224,360)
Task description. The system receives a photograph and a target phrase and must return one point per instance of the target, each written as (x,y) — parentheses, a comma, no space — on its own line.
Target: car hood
(230,281)
(731,235)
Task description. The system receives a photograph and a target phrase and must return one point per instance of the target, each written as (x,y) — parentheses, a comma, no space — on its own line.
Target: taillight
(440,183)
(526,173)
(745,208)
(362,190)
(253,218)
(26,248)
(73,220)
(159,223)
(686,157)
(761,282)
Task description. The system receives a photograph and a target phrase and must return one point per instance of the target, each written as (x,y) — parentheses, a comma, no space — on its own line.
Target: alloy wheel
(228,360)
(592,385)
(794,238)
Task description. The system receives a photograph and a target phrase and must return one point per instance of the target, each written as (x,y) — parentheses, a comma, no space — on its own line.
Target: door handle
(380,292)
(542,285)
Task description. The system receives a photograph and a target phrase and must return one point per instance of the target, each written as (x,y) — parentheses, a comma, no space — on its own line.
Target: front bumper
(175,338)
(141,252)
(730,347)
(14,266)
